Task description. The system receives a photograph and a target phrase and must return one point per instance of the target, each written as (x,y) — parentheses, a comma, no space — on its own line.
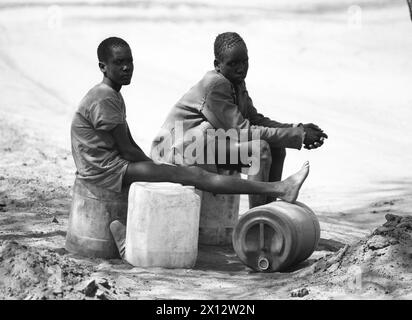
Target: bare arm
(129,134)
(128,149)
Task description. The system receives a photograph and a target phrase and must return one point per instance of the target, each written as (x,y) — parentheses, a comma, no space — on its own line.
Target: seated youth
(106,155)
(220,101)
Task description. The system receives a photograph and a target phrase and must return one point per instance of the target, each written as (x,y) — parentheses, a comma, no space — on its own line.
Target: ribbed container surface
(276,236)
(92,210)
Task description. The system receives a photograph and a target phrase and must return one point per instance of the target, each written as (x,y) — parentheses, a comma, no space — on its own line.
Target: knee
(197,172)
(265,152)
(258,150)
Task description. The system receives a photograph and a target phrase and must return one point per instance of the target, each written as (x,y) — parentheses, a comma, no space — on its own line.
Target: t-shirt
(93,147)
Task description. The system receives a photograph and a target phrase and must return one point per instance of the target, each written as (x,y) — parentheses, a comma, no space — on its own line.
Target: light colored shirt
(93,147)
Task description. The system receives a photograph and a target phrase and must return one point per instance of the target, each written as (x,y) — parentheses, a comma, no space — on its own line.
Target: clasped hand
(314,136)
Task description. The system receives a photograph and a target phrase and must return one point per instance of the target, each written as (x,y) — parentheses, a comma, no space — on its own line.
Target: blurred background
(344,65)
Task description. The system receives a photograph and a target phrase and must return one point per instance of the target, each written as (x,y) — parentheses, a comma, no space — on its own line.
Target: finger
(322,134)
(314,126)
(318,144)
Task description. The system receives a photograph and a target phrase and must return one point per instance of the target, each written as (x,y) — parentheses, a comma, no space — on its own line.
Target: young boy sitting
(106,155)
(220,101)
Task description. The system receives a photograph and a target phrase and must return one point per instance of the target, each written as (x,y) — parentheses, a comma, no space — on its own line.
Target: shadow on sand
(224,258)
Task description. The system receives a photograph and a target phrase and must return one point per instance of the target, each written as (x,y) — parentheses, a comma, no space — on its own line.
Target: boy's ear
(102,67)
(217,65)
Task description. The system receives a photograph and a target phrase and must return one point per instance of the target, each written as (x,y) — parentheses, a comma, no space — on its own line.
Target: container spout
(263,263)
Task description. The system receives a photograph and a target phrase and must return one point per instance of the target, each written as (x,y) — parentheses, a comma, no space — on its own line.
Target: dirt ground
(365,250)
(35,200)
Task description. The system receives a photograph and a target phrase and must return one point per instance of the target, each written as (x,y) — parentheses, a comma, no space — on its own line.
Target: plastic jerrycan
(276,236)
(162,225)
(92,210)
(219,215)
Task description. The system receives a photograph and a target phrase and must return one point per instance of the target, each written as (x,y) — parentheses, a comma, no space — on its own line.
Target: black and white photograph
(224,151)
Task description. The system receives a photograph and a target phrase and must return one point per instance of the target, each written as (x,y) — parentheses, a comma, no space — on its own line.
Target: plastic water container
(92,210)
(162,225)
(219,215)
(276,236)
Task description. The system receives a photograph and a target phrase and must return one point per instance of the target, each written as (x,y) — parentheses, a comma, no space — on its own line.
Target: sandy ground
(308,64)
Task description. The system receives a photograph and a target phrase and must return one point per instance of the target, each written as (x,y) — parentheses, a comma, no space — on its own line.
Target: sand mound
(379,264)
(29,273)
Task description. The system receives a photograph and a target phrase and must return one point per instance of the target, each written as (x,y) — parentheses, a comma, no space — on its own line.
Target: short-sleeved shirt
(97,159)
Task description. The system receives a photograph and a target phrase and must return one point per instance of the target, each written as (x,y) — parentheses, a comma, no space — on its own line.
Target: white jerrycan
(162,225)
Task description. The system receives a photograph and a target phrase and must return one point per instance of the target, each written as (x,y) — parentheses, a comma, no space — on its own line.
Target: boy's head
(231,58)
(115,61)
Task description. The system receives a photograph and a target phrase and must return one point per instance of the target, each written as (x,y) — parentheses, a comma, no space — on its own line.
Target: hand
(314,136)
(315,145)
(312,126)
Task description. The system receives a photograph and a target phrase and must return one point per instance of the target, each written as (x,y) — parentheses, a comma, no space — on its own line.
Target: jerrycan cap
(263,263)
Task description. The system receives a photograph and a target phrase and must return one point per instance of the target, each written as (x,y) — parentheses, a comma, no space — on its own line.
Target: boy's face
(234,65)
(119,66)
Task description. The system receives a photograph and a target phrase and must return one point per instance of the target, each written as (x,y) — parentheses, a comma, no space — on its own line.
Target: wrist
(300,125)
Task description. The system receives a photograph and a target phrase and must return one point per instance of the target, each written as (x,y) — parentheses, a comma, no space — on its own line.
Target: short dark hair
(226,41)
(104,48)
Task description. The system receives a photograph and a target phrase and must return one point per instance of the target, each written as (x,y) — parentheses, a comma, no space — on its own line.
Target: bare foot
(293,183)
(118,230)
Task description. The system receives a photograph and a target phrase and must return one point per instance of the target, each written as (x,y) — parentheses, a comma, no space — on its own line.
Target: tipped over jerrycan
(276,236)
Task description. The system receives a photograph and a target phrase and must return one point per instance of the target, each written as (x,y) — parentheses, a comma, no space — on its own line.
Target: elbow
(134,156)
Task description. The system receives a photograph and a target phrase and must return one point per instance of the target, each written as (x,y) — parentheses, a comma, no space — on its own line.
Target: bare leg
(270,162)
(118,230)
(148,171)
(294,183)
